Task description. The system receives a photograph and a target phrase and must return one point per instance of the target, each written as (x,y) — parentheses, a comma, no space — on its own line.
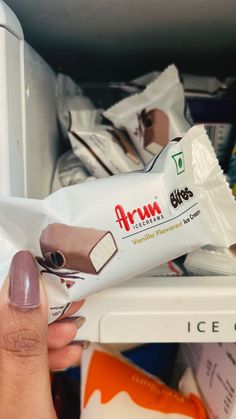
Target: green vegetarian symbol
(179,162)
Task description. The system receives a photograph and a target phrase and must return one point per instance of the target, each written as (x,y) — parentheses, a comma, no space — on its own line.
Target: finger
(65,357)
(24,377)
(72,308)
(62,332)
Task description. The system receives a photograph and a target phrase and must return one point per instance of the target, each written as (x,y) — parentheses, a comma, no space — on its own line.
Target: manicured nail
(80,321)
(24,281)
(60,370)
(83,343)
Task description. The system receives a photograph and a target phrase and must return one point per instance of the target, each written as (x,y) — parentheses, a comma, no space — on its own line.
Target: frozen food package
(194,85)
(69,171)
(188,384)
(211,261)
(131,392)
(154,116)
(70,96)
(218,116)
(214,366)
(103,150)
(166,269)
(94,235)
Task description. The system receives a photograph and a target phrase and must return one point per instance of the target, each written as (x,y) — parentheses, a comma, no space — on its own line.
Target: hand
(25,390)
(61,354)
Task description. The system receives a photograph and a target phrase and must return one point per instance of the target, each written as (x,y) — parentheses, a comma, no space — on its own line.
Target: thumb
(25,390)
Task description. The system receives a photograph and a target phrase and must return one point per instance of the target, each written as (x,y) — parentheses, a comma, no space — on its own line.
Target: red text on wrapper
(126,219)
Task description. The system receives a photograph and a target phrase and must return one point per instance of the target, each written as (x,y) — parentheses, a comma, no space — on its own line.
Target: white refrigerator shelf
(162,309)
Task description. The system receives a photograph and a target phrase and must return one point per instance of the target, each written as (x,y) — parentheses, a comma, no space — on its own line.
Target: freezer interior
(203,307)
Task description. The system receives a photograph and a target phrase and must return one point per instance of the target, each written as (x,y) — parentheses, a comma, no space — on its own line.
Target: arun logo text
(138,217)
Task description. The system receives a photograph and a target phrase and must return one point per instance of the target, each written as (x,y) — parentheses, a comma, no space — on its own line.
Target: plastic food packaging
(103,150)
(166,269)
(94,235)
(69,171)
(213,365)
(130,392)
(211,261)
(155,358)
(69,97)
(153,117)
(188,384)
(218,117)
(194,85)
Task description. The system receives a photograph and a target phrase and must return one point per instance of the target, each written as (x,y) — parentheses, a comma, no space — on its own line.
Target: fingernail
(60,370)
(24,281)
(80,321)
(83,343)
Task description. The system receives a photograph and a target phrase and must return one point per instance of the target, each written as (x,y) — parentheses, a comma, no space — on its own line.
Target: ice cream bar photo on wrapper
(125,145)
(77,248)
(154,127)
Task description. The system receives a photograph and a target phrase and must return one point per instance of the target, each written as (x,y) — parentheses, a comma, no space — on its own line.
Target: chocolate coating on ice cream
(77,248)
(155,130)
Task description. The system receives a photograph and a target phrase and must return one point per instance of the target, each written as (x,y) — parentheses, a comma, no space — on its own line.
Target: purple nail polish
(24,281)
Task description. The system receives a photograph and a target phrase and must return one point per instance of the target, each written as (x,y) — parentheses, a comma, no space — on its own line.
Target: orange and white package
(113,387)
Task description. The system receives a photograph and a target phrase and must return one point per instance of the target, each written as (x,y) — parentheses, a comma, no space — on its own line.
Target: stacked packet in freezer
(211,261)
(103,150)
(94,235)
(155,116)
(69,171)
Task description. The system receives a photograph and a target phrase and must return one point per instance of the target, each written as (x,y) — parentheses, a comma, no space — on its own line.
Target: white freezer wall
(42,128)
(29,132)
(12,173)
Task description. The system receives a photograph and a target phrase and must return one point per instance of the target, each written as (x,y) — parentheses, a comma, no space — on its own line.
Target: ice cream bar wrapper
(94,235)
(103,150)
(194,85)
(69,171)
(155,116)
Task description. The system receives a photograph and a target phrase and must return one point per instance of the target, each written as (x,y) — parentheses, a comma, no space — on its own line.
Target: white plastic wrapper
(188,384)
(153,117)
(103,150)
(211,261)
(69,171)
(69,97)
(94,235)
(194,85)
